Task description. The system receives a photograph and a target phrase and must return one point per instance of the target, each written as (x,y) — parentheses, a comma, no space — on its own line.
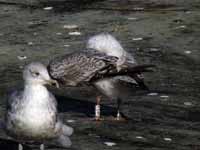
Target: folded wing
(75,68)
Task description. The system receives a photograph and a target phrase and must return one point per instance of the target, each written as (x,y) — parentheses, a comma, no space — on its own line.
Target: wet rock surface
(165,33)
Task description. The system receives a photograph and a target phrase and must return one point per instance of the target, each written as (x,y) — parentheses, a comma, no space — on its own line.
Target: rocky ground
(160,32)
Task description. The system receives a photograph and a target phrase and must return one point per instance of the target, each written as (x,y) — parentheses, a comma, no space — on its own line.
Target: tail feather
(129,71)
(139,69)
(134,72)
(68,131)
(140,81)
(64,141)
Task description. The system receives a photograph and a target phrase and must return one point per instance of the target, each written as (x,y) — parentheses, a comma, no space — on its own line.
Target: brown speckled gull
(90,68)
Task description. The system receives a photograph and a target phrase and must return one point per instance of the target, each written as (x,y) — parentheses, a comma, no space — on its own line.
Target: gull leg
(98,109)
(20,146)
(42,147)
(119,117)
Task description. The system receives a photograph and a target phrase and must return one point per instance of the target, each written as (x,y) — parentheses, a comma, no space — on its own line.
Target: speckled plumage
(108,45)
(88,68)
(101,65)
(76,68)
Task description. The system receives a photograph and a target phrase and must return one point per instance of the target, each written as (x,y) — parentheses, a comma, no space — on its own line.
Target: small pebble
(138,8)
(66,45)
(21,57)
(137,39)
(164,96)
(152,94)
(58,33)
(168,139)
(21,67)
(154,49)
(73,26)
(74,33)
(30,43)
(35,33)
(187,103)
(132,18)
(181,27)
(187,52)
(70,121)
(110,143)
(188,12)
(139,137)
(30,23)
(48,8)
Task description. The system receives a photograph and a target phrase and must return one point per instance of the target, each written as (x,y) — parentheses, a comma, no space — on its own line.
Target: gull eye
(34,73)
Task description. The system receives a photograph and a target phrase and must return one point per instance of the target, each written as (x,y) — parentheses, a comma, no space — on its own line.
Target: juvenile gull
(92,68)
(108,45)
(32,113)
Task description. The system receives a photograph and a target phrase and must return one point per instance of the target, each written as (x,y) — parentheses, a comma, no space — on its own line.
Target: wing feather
(13,101)
(75,68)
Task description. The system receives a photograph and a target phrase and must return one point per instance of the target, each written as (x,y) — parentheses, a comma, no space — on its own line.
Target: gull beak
(53,82)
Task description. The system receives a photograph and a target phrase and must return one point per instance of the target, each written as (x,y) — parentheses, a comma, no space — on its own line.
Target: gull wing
(75,68)
(14,100)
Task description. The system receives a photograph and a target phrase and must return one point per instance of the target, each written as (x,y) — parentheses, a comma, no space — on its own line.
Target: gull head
(36,73)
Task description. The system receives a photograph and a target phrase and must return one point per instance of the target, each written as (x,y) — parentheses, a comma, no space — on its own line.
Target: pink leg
(98,109)
(119,117)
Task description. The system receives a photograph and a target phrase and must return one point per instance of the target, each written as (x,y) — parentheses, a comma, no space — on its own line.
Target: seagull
(107,44)
(32,113)
(94,68)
